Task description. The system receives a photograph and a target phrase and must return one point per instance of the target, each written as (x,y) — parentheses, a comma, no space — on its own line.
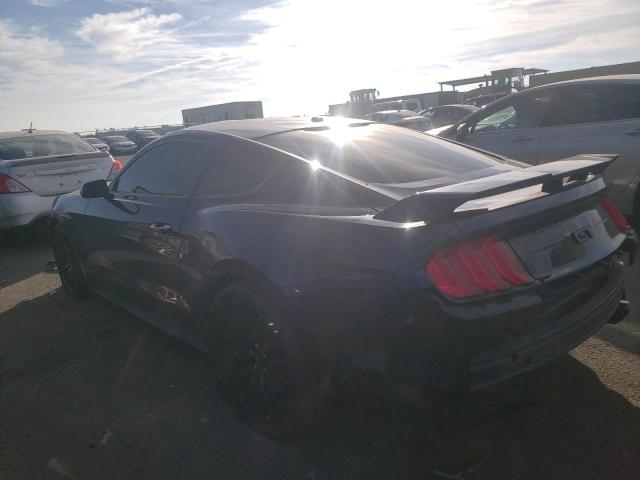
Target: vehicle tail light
(115,168)
(475,268)
(615,214)
(11,185)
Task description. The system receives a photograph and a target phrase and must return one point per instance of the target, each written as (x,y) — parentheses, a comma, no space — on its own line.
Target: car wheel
(70,271)
(268,373)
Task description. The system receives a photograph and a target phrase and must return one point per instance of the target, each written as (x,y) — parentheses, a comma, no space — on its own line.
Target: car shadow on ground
(25,252)
(89,391)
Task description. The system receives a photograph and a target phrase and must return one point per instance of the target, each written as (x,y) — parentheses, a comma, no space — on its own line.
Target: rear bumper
(465,347)
(21,209)
(495,366)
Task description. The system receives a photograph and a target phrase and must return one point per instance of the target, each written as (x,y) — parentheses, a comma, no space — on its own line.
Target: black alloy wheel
(267,372)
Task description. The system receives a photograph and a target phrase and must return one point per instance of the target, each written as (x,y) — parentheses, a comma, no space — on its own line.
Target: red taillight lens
(615,215)
(468,270)
(11,185)
(116,166)
(448,274)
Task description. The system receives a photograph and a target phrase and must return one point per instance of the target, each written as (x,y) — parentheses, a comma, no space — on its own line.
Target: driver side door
(510,128)
(134,234)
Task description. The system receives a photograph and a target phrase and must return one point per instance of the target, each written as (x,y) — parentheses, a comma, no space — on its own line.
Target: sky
(83,64)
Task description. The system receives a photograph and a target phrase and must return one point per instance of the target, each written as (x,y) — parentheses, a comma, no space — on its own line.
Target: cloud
(126,35)
(138,62)
(47,3)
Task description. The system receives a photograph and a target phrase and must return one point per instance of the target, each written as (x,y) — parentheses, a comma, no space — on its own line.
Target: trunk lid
(58,174)
(555,223)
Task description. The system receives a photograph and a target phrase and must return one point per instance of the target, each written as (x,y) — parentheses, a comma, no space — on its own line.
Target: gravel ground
(89,391)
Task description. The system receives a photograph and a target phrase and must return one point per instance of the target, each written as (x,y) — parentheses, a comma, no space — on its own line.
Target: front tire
(70,270)
(268,371)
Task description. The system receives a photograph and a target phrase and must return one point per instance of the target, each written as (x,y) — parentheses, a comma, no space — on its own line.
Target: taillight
(474,268)
(115,168)
(11,185)
(615,215)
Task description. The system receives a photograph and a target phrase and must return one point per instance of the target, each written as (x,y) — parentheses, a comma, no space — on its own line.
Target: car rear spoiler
(440,202)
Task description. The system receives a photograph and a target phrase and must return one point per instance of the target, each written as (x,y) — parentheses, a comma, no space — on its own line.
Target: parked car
(413,104)
(483,100)
(447,114)
(291,249)
(142,137)
(120,145)
(38,165)
(402,118)
(543,124)
(97,143)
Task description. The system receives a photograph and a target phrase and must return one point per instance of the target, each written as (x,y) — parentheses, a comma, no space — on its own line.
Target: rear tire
(70,270)
(268,372)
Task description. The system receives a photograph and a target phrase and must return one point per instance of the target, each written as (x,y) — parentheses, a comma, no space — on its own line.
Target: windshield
(30,146)
(117,139)
(93,141)
(381,154)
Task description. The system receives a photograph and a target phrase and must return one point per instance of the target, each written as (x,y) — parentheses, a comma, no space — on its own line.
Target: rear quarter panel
(329,269)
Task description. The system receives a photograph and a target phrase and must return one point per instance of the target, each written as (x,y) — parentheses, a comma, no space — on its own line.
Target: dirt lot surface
(88,391)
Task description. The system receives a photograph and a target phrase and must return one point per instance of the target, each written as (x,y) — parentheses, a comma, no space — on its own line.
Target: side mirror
(462,131)
(95,189)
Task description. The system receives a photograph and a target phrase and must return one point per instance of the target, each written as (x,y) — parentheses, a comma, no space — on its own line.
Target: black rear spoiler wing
(440,202)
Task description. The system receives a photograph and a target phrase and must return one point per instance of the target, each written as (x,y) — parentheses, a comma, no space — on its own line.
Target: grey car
(37,166)
(401,118)
(560,120)
(97,143)
(448,114)
(120,145)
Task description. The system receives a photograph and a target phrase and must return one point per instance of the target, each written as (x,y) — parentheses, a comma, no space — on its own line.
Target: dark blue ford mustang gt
(290,248)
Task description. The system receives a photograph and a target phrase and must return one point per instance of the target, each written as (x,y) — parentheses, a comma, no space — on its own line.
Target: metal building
(222,111)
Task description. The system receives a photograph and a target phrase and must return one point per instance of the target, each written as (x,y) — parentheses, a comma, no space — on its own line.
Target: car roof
(34,133)
(254,129)
(398,110)
(604,80)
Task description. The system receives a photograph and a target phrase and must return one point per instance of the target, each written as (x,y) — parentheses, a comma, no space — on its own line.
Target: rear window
(42,146)
(380,153)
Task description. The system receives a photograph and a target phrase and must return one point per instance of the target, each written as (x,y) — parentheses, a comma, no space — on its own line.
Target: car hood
(437,131)
(415,117)
(124,144)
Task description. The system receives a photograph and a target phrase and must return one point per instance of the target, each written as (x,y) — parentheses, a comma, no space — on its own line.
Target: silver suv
(559,120)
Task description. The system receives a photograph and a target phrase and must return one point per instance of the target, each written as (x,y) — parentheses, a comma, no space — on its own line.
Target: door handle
(522,139)
(633,132)
(159,227)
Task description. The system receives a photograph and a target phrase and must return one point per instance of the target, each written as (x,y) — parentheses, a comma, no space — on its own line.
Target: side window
(625,102)
(170,168)
(593,104)
(503,119)
(262,174)
(525,112)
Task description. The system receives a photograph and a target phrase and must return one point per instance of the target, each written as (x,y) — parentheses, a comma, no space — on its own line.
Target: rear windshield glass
(92,141)
(381,154)
(42,146)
